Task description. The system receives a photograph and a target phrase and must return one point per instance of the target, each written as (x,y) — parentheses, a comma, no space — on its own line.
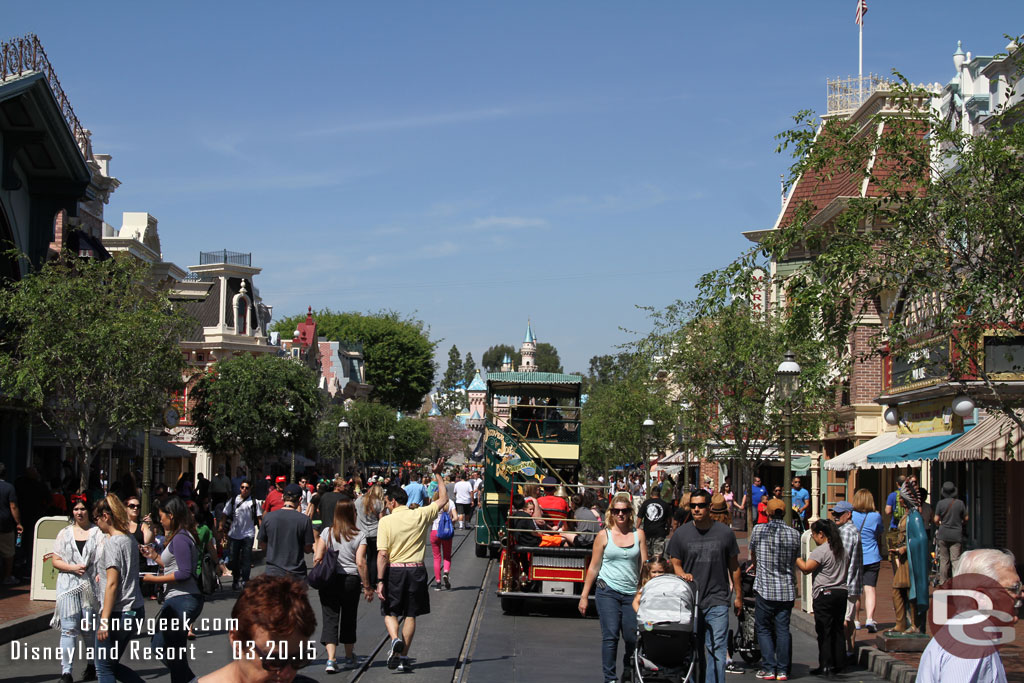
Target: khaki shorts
(851,608)
(7,544)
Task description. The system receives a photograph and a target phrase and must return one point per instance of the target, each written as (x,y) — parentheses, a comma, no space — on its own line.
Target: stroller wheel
(750,656)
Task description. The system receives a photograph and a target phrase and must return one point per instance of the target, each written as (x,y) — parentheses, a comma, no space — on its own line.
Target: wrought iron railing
(225,256)
(845,95)
(19,56)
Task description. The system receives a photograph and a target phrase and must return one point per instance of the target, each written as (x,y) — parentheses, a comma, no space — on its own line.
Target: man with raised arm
(402,586)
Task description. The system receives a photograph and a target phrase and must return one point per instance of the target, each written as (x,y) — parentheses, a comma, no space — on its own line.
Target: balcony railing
(25,55)
(225,256)
(845,95)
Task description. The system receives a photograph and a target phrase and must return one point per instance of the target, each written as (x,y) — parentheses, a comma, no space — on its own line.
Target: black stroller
(666,625)
(743,640)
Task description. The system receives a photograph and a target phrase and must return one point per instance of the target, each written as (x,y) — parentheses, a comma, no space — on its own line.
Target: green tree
(398,352)
(547,358)
(469,369)
(612,422)
(607,368)
(451,393)
(933,251)
(256,406)
(370,425)
(491,360)
(92,348)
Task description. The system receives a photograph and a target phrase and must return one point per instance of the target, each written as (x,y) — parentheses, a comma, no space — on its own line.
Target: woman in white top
(339,599)
(442,548)
(75,556)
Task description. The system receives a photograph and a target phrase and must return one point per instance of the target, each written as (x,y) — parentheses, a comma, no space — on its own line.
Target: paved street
(548,642)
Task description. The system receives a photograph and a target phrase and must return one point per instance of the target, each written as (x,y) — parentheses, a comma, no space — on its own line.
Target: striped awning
(857,457)
(996,438)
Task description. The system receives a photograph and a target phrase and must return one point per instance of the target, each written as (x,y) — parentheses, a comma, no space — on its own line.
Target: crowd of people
(691,534)
(111,559)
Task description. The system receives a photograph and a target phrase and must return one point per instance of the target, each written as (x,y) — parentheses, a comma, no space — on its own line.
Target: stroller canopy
(668,601)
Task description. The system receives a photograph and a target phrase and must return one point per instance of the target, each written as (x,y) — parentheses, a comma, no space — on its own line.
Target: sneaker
(781,677)
(447,583)
(66,678)
(397,648)
(438,587)
(349,662)
(733,668)
(871,626)
(234,585)
(332,667)
(90,672)
(764,675)
(856,625)
(404,666)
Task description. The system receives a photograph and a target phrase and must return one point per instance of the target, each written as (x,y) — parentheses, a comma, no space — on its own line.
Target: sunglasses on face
(621,511)
(700,505)
(132,507)
(243,487)
(274,662)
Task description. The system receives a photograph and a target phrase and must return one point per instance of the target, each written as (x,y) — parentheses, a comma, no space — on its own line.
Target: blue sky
(472,164)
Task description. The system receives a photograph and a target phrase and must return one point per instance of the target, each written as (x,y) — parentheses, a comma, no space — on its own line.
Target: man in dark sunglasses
(706,553)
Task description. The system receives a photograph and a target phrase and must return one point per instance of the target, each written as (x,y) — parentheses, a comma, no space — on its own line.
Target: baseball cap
(549,481)
(774,505)
(843,506)
(292,490)
(280,479)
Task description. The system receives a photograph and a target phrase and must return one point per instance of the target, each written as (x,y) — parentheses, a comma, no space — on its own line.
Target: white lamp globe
(963,406)
(891,416)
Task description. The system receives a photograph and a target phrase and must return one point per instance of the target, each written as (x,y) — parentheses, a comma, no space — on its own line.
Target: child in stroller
(744,639)
(666,623)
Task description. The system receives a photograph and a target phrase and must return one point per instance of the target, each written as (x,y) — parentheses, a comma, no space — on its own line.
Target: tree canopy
(933,251)
(256,406)
(546,357)
(92,348)
(451,394)
(398,352)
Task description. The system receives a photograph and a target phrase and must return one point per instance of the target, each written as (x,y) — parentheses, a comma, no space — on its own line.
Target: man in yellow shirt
(402,586)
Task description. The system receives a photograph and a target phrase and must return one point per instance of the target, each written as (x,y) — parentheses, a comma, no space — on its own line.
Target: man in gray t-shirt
(287,535)
(950,515)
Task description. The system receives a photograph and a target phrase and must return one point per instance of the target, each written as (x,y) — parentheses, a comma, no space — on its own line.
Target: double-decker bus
(532,432)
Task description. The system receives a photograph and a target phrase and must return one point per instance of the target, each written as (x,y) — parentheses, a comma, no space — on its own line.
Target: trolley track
(460,668)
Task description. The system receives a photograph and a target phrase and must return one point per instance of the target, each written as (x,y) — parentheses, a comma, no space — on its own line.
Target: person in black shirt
(654,520)
(521,521)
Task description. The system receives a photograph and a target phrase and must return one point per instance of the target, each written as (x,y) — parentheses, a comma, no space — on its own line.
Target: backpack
(445,530)
(207,579)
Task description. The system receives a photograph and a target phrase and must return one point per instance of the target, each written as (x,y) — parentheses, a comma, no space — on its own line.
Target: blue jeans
(715,626)
(70,629)
(176,639)
(771,619)
(240,551)
(615,612)
(110,651)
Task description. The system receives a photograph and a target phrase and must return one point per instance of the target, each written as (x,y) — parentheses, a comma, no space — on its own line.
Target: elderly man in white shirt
(938,665)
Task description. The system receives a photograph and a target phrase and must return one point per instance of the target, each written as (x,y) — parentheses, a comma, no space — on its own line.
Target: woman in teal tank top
(615,567)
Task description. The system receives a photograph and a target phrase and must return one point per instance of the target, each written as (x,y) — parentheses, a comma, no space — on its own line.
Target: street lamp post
(343,439)
(787,380)
(391,453)
(648,425)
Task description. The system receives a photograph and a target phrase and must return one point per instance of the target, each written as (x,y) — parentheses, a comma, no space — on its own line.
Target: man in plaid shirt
(842,513)
(774,548)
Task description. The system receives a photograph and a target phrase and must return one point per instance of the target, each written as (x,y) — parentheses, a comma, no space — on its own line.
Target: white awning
(857,457)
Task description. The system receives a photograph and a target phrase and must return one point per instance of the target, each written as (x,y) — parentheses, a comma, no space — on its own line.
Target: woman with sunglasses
(75,554)
(615,567)
(119,589)
(183,598)
(142,530)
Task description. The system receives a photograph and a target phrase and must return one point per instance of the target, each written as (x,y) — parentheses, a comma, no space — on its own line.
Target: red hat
(280,479)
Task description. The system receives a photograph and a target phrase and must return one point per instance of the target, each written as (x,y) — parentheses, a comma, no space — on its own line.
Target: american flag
(862,9)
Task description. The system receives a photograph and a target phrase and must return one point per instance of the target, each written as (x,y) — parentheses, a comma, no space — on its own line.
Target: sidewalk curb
(24,627)
(874,660)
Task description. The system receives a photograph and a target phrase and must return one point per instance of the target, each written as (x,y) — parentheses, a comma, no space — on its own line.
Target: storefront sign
(926,417)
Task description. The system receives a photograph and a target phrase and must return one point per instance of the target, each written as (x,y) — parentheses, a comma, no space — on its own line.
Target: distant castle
(477,390)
